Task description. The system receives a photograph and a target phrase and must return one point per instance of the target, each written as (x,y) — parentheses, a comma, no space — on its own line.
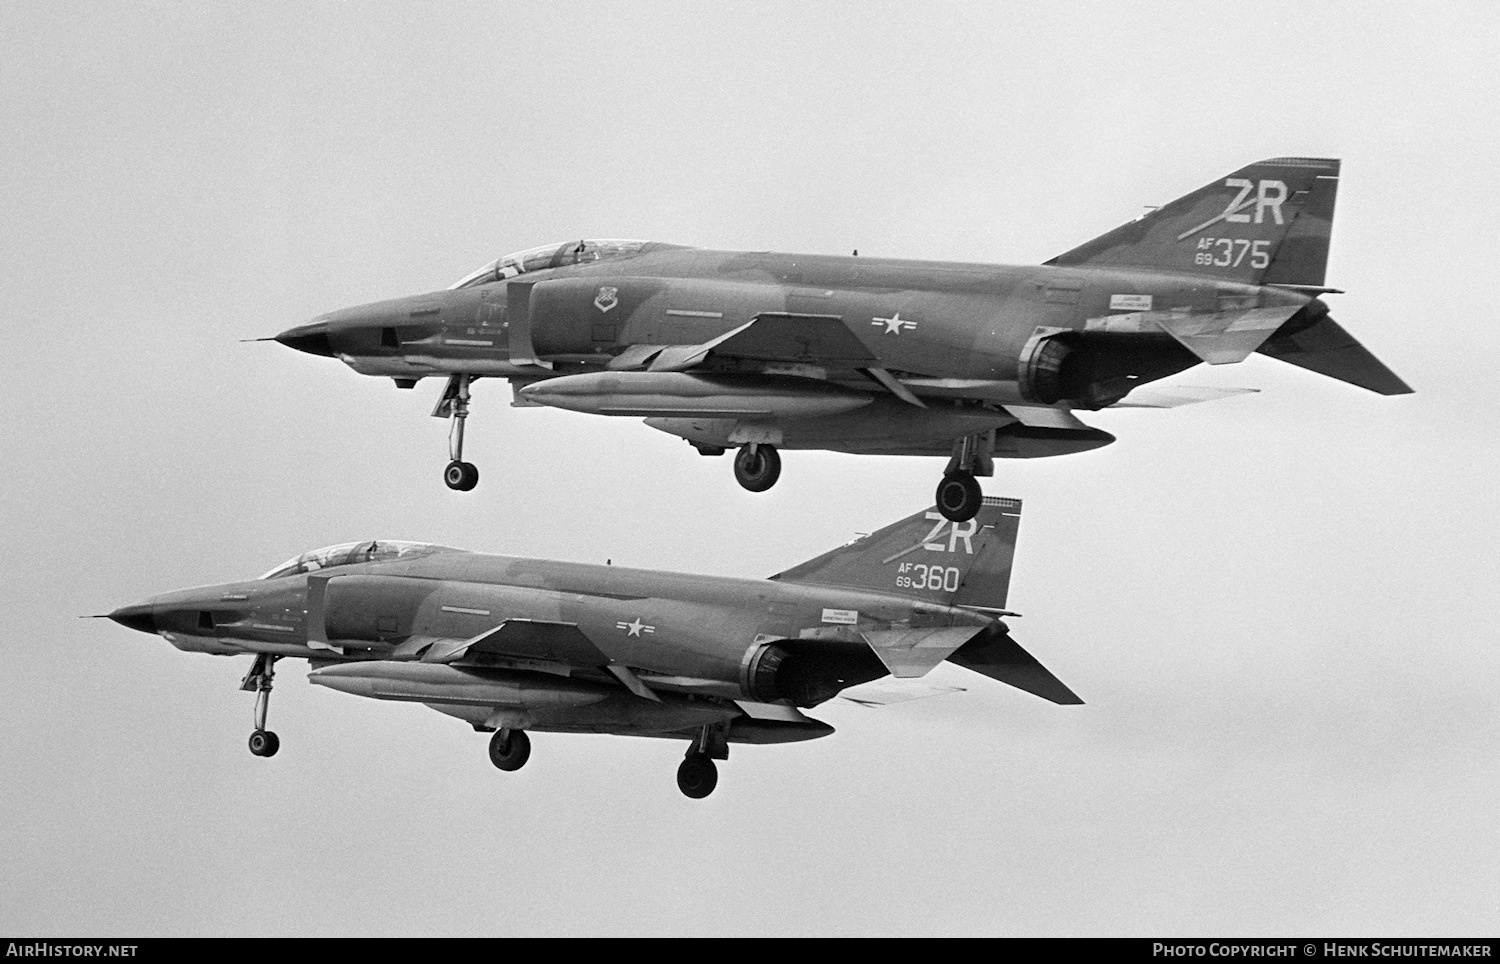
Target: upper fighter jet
(761,351)
(510,645)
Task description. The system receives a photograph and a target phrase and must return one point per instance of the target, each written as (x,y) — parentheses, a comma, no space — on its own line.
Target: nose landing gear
(262,742)
(454,405)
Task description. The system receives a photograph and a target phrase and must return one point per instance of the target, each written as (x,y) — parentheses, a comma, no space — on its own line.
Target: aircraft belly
(890,427)
(885,425)
(623,714)
(626,716)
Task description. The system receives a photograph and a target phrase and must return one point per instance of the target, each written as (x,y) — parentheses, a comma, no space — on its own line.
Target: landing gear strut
(262,742)
(510,749)
(757,466)
(454,405)
(696,775)
(959,496)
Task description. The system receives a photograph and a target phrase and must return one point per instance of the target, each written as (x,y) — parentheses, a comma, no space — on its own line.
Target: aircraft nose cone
(138,617)
(311,338)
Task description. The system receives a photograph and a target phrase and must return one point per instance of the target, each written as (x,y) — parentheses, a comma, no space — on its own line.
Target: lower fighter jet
(511,645)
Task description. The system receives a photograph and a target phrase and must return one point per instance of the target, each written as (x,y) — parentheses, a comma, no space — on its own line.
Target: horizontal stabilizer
(909,653)
(1002,658)
(884,692)
(1176,396)
(1224,337)
(1326,348)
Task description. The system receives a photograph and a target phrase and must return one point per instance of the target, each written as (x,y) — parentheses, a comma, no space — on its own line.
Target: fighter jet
(760,351)
(511,645)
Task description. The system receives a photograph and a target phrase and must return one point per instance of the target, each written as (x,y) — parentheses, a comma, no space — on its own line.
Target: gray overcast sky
(1279,607)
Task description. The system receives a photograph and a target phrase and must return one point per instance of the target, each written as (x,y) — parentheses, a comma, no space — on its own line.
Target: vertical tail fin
(1268,223)
(927,557)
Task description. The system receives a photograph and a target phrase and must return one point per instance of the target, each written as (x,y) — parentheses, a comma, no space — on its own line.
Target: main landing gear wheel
(264,743)
(959,497)
(462,476)
(757,466)
(697,776)
(510,749)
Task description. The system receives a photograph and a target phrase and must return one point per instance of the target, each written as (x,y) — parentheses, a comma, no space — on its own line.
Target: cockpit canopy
(351,553)
(549,256)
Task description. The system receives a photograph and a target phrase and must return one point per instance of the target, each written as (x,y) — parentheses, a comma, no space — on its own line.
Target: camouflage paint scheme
(759,350)
(511,644)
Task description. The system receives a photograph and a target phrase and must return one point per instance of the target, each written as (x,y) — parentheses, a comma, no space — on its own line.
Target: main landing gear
(454,405)
(697,775)
(959,496)
(262,742)
(510,749)
(757,466)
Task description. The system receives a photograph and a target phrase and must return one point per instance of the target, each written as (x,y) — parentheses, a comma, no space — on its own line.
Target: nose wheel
(461,476)
(264,743)
(262,672)
(757,466)
(454,406)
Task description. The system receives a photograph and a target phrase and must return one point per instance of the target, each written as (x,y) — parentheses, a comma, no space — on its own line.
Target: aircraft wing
(539,645)
(530,639)
(777,337)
